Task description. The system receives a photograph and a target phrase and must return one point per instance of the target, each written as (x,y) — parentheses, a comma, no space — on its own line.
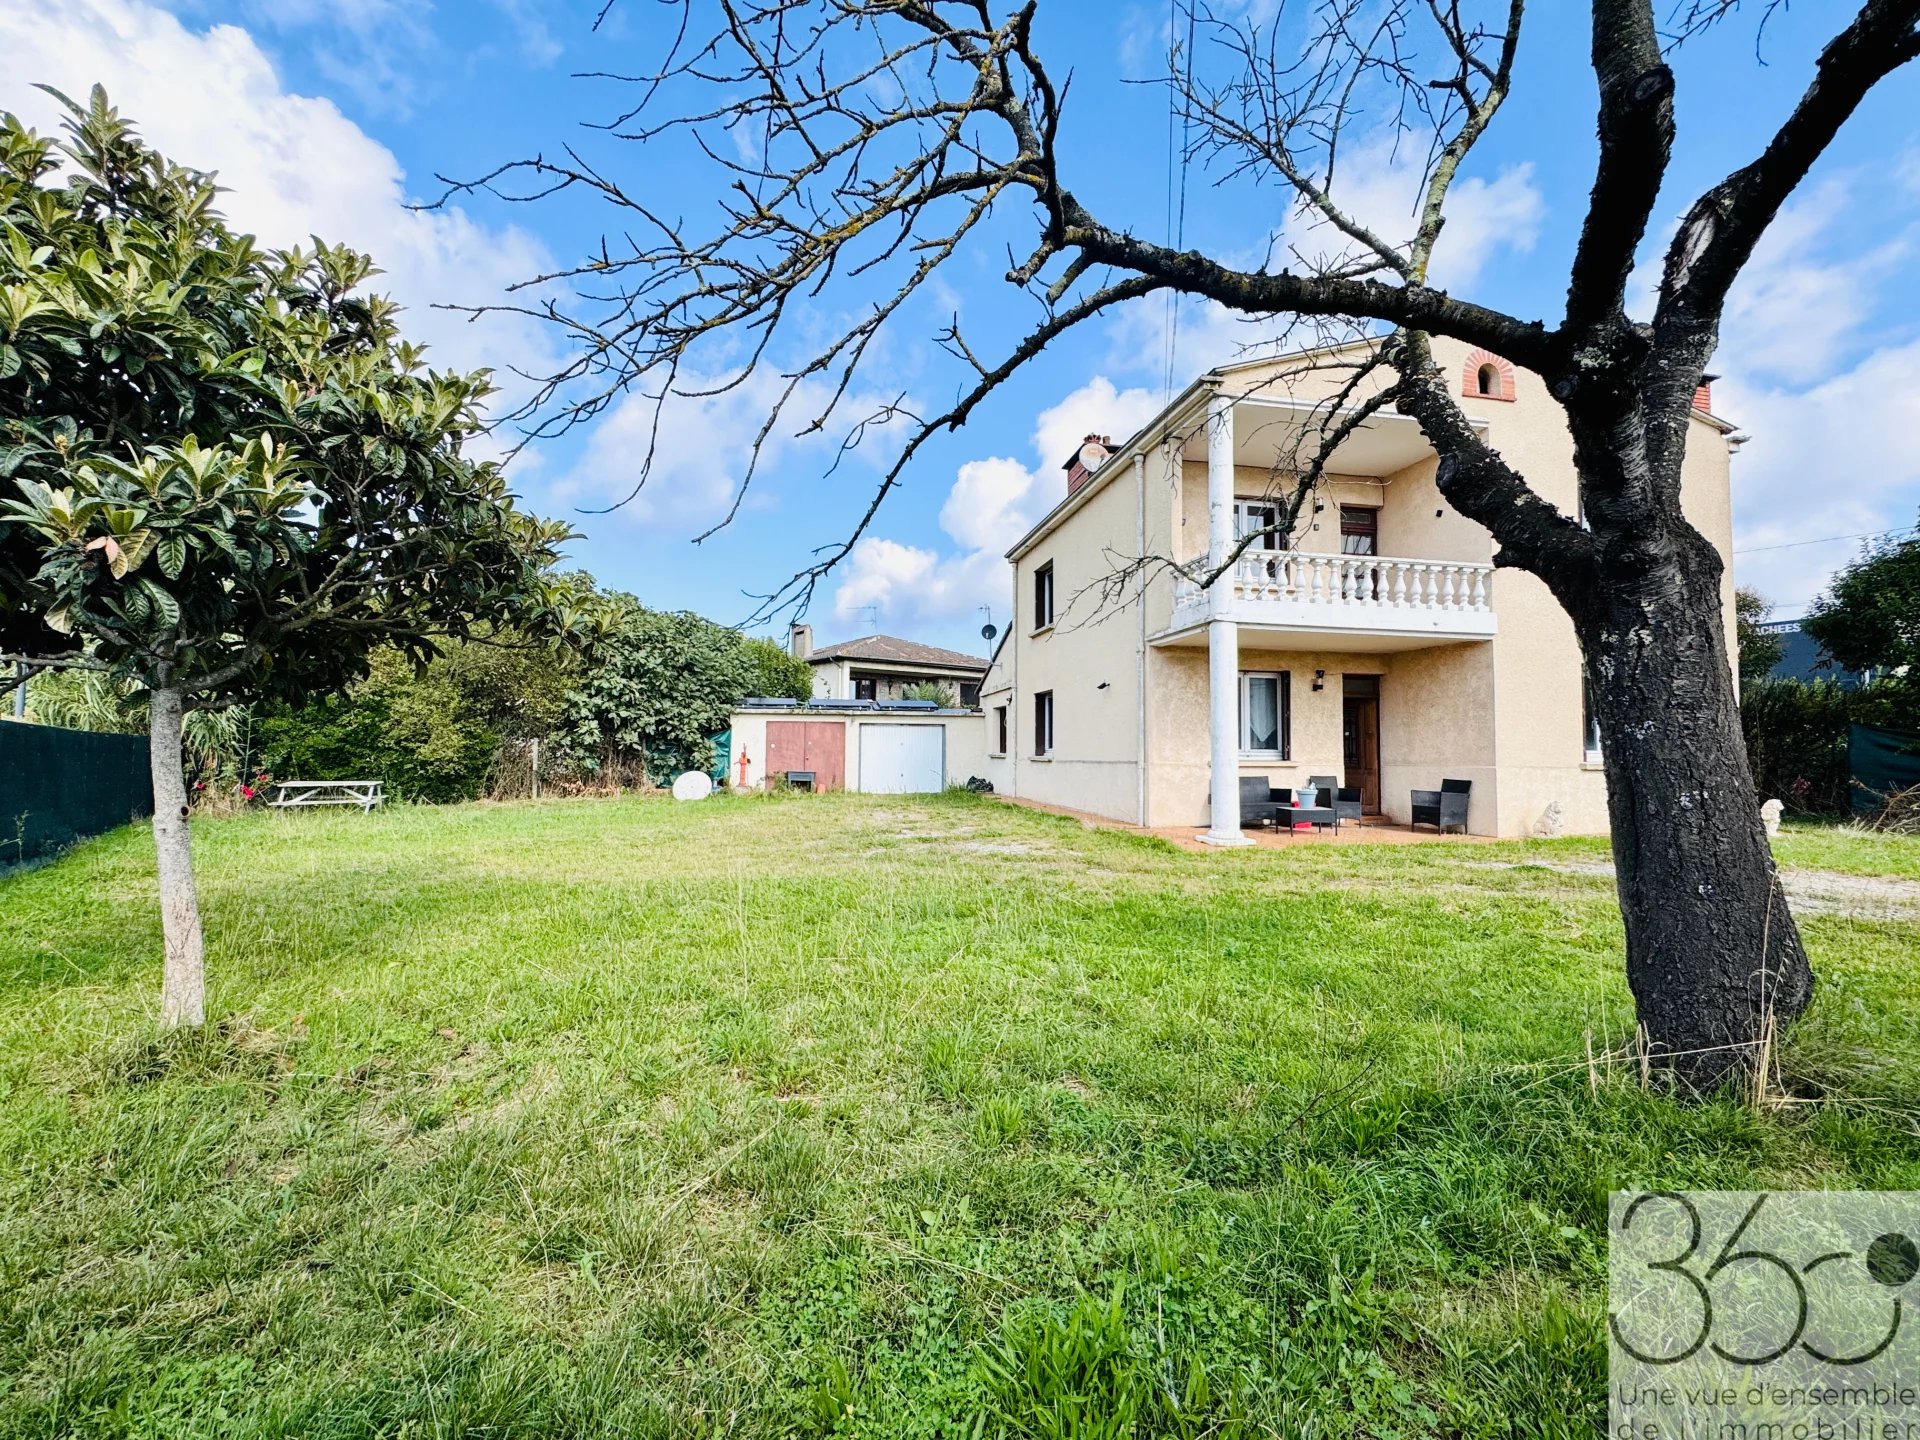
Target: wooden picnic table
(304,794)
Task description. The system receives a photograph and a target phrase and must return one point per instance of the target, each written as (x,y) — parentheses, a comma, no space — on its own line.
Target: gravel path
(1813,892)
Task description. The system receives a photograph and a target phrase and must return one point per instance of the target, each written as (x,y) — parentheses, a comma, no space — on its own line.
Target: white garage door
(903,759)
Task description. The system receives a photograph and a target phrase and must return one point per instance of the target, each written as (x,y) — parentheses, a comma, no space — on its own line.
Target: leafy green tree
(1796,737)
(416,732)
(513,685)
(230,474)
(934,690)
(1869,619)
(777,672)
(1759,650)
(663,683)
(432,733)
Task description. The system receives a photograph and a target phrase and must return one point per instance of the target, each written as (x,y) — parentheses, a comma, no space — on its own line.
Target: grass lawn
(853,1115)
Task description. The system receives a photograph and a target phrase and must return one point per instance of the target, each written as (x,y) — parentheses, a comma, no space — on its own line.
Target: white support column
(1223,635)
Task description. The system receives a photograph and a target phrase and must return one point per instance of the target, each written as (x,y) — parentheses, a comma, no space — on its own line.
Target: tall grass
(838,1115)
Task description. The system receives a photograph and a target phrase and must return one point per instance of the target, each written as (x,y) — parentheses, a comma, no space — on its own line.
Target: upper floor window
(1043,723)
(1043,596)
(969,693)
(1266,721)
(1252,517)
(1359,530)
(865,687)
(1485,376)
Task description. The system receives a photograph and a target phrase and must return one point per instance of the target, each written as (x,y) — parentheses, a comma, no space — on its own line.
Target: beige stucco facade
(1475,673)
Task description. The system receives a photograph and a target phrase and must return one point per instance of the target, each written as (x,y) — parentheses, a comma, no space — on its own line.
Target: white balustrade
(1341,588)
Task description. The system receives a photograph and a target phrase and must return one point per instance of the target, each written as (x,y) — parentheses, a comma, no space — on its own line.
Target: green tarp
(58,786)
(1883,763)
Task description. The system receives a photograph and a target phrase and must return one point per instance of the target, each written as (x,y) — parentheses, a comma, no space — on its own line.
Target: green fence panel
(58,786)
(1884,762)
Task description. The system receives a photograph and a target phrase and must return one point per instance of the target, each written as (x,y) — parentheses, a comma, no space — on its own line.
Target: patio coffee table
(1293,816)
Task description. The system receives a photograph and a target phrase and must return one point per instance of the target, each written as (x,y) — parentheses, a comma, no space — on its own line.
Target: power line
(1166,349)
(1827,540)
(1177,220)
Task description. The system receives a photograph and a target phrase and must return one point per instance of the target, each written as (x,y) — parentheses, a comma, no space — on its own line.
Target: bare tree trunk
(1713,956)
(183,984)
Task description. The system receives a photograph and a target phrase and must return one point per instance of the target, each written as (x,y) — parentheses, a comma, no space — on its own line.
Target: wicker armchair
(1345,800)
(1259,803)
(1444,808)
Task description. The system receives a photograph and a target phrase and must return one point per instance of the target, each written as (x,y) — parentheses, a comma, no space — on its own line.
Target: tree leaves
(246,418)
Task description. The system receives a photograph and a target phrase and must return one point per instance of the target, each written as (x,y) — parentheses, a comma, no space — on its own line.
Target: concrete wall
(1437,723)
(1539,716)
(966,744)
(1407,501)
(1089,658)
(1179,774)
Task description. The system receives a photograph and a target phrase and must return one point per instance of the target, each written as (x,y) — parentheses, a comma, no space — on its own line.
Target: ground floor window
(1266,720)
(1043,723)
(1589,723)
(999,729)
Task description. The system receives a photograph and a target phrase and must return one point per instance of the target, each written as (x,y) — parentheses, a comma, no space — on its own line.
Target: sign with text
(1763,1315)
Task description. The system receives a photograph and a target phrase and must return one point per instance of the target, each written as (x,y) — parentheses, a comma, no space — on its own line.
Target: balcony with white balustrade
(1306,590)
(1304,600)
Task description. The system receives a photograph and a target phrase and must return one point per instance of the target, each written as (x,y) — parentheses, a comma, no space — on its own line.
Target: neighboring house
(1375,643)
(1804,658)
(882,667)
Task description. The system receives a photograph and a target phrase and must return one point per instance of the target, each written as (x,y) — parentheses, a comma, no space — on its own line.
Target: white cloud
(1486,218)
(1096,408)
(1798,305)
(293,166)
(1835,459)
(892,581)
(1819,350)
(990,505)
(702,448)
(993,503)
(1379,183)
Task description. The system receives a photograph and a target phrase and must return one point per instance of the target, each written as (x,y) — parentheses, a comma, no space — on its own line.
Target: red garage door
(816,745)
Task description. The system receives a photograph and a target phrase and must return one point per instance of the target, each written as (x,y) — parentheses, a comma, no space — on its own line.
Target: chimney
(800,641)
(1703,393)
(1094,452)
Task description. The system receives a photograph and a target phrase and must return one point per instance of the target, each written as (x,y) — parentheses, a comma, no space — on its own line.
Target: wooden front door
(1363,749)
(816,745)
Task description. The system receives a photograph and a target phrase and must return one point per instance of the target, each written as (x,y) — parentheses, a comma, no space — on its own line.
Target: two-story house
(1375,642)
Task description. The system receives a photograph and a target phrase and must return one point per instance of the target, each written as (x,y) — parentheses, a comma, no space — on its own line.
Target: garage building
(876,747)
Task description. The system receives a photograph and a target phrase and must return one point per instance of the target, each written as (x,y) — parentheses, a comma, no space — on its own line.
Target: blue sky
(330,116)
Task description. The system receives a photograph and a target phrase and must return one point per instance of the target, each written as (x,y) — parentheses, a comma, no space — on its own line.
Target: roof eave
(1136,444)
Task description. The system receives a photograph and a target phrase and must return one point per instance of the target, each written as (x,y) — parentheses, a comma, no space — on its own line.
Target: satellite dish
(987,632)
(1093,455)
(693,785)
